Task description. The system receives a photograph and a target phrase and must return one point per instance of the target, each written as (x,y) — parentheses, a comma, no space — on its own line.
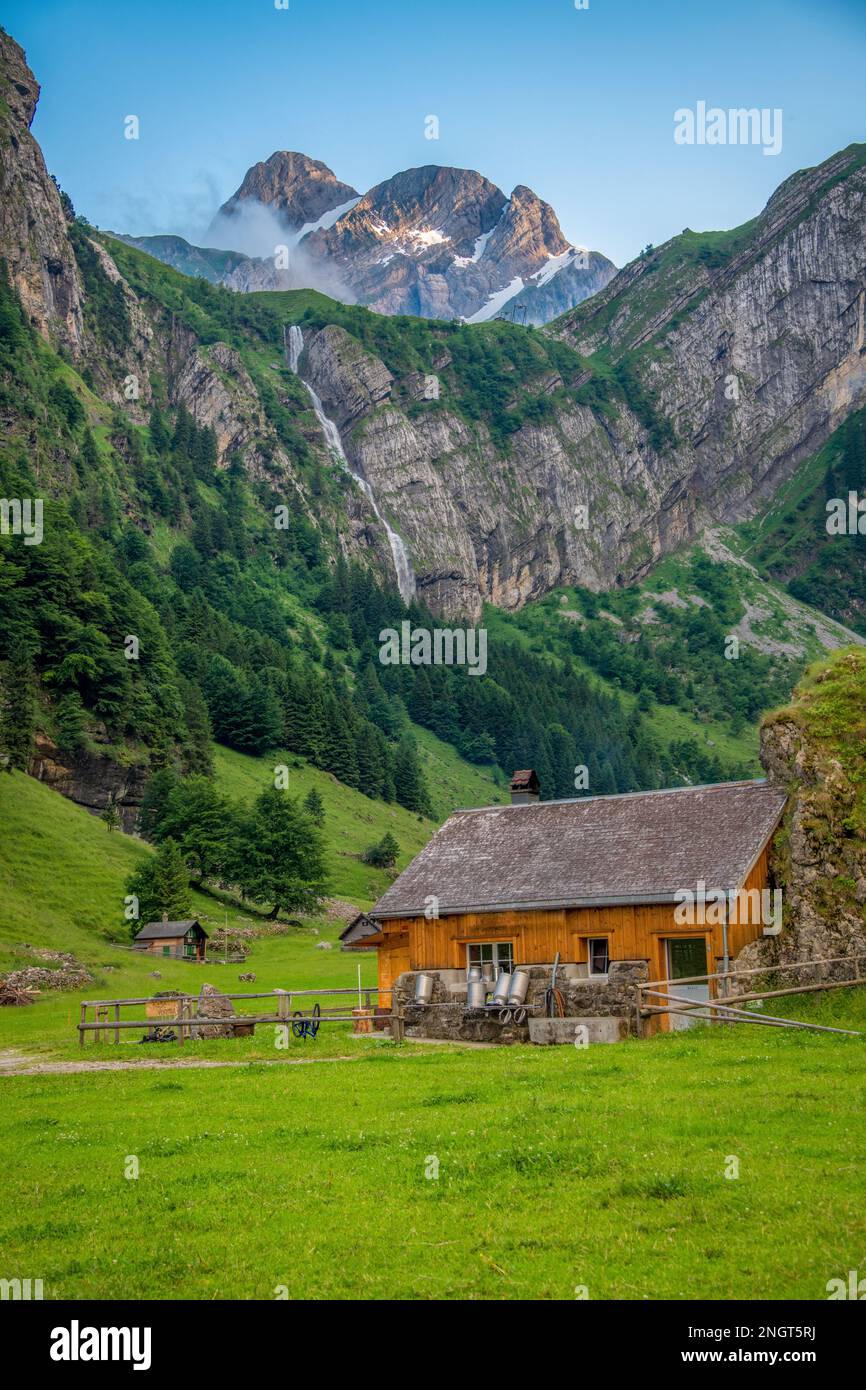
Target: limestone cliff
(734,359)
(32,222)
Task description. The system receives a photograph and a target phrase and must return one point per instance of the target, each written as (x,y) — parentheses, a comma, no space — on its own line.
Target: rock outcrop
(33,236)
(91,779)
(212,1004)
(816,749)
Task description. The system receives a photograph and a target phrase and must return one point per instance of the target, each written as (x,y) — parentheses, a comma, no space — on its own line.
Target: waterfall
(294,341)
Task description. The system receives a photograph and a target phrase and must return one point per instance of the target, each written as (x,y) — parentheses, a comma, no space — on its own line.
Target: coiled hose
(554,1003)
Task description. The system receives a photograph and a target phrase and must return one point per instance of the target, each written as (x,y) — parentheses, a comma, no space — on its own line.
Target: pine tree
(17,713)
(315,807)
(161,885)
(280,856)
(157,791)
(383,855)
(411,789)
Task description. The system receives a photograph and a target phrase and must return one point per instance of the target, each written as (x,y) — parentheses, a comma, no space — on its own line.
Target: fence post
(398,1024)
(284,1007)
(638,1004)
(81,1025)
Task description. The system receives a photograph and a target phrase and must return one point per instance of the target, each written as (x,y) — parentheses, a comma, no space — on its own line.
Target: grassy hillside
(790,541)
(77,906)
(659,646)
(354,822)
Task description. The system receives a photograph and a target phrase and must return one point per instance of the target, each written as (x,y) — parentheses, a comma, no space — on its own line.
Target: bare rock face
(118,371)
(301,189)
(350,381)
(483,525)
(32,223)
(91,780)
(754,350)
(215,386)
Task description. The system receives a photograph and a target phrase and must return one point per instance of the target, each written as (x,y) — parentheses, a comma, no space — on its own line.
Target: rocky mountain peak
(420,209)
(528,233)
(303,190)
(443,242)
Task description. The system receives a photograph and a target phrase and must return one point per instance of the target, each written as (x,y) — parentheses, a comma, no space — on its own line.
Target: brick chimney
(525,788)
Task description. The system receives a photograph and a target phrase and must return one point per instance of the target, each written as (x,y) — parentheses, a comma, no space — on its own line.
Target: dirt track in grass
(18,1064)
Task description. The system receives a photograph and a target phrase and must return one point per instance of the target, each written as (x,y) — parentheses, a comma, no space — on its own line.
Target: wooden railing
(723,1007)
(187,1021)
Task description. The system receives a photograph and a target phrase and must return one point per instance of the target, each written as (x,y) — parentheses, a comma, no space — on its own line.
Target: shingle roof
(524,777)
(359,929)
(592,851)
(151,931)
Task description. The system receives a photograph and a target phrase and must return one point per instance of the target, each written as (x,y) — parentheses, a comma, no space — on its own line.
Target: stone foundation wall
(448,1018)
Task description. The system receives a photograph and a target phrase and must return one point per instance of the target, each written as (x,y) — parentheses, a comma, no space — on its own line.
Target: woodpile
(13,995)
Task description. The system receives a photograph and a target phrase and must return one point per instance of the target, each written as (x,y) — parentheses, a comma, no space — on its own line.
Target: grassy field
(557,1168)
(417,1172)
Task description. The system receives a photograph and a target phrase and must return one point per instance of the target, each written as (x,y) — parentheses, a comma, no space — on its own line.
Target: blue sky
(577,104)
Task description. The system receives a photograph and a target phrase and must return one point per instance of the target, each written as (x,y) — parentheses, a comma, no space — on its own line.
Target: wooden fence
(108,1022)
(723,1007)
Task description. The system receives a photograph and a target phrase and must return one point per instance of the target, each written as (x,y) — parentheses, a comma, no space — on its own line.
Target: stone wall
(447,1017)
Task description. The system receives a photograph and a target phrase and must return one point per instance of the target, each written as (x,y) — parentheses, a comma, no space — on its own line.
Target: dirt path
(19,1064)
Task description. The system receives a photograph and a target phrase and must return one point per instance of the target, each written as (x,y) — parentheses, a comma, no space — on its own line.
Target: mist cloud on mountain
(270,241)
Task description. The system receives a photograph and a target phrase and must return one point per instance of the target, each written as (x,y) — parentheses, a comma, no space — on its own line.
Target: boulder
(213,1005)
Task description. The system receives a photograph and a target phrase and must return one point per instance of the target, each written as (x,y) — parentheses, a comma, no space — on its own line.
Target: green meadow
(428,1173)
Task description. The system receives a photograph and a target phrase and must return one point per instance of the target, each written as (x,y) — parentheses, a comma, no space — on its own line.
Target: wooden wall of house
(634,933)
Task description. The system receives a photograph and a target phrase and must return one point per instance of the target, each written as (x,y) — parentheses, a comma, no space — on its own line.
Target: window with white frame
(498,954)
(598,955)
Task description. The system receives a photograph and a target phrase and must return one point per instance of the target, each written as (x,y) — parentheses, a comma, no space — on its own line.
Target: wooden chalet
(175,940)
(595,879)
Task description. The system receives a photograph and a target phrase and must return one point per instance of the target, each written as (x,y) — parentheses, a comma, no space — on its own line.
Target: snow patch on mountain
(497,301)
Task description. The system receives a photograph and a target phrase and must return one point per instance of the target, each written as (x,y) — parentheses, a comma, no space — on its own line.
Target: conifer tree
(17,713)
(280,855)
(161,885)
(411,789)
(315,806)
